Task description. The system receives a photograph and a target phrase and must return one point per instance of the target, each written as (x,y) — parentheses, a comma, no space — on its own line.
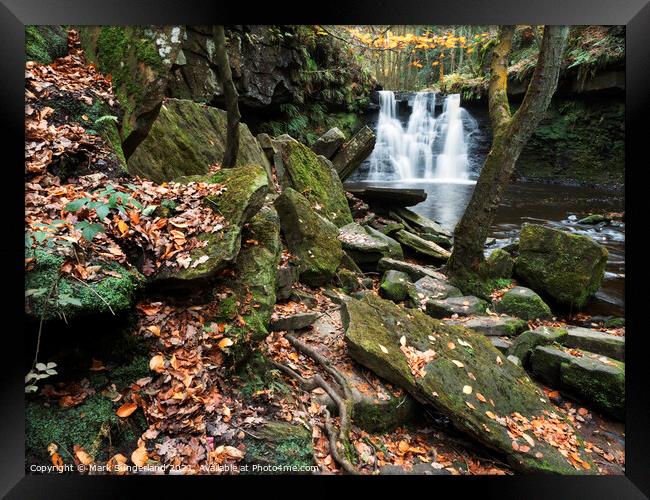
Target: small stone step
(415,271)
(428,288)
(467,305)
(524,344)
(499,326)
(294,322)
(595,341)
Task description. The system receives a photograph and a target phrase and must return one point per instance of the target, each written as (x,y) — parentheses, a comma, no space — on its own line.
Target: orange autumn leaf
(126,409)
(157,363)
(139,457)
(81,455)
(122,226)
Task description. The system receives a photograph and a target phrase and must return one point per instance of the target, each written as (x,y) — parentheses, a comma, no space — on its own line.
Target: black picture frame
(634,14)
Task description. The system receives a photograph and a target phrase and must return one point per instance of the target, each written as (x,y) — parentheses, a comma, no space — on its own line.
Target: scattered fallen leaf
(126,409)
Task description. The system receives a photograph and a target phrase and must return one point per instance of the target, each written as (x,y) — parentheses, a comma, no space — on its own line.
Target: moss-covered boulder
(186,138)
(597,379)
(421,246)
(527,341)
(279,448)
(461,375)
(243,196)
(315,178)
(523,303)
(51,295)
(139,59)
(499,264)
(567,267)
(394,285)
(366,245)
(493,326)
(310,237)
(253,285)
(44,44)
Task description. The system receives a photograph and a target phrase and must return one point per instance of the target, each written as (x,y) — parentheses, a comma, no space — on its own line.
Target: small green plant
(106,118)
(39,372)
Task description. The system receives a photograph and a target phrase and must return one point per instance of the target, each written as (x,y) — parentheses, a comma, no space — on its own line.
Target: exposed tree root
(342,398)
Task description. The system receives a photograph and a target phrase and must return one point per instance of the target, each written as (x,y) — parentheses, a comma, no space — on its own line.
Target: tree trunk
(466,265)
(231,99)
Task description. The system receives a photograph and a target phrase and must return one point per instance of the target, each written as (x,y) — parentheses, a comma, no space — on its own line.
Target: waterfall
(407,153)
(452,164)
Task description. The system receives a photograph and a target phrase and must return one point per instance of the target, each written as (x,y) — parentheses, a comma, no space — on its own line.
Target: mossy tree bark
(467,264)
(231,98)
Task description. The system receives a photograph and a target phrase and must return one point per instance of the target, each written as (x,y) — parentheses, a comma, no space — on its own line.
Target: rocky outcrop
(567,267)
(352,153)
(253,285)
(328,143)
(314,177)
(310,237)
(366,246)
(186,139)
(470,383)
(243,196)
(140,61)
(523,303)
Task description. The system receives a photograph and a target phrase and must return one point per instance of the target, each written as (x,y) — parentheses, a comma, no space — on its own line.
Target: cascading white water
(452,164)
(404,153)
(407,153)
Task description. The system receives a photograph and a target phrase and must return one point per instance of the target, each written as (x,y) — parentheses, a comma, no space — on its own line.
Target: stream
(449,181)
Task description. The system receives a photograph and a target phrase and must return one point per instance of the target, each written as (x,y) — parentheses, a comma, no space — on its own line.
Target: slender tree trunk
(466,265)
(231,99)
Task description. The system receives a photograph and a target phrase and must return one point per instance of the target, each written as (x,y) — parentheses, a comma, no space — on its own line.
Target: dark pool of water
(552,205)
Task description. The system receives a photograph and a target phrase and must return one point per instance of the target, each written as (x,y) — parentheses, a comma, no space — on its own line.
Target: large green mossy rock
(50,295)
(315,178)
(493,326)
(592,378)
(139,59)
(394,285)
(374,328)
(366,246)
(253,285)
(599,380)
(186,138)
(243,196)
(310,237)
(524,344)
(567,267)
(523,303)
(44,44)
(279,448)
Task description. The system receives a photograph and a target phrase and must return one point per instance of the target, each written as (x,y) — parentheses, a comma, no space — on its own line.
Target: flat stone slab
(422,246)
(461,375)
(466,305)
(366,245)
(390,196)
(294,322)
(415,271)
(421,223)
(501,343)
(595,341)
(498,326)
